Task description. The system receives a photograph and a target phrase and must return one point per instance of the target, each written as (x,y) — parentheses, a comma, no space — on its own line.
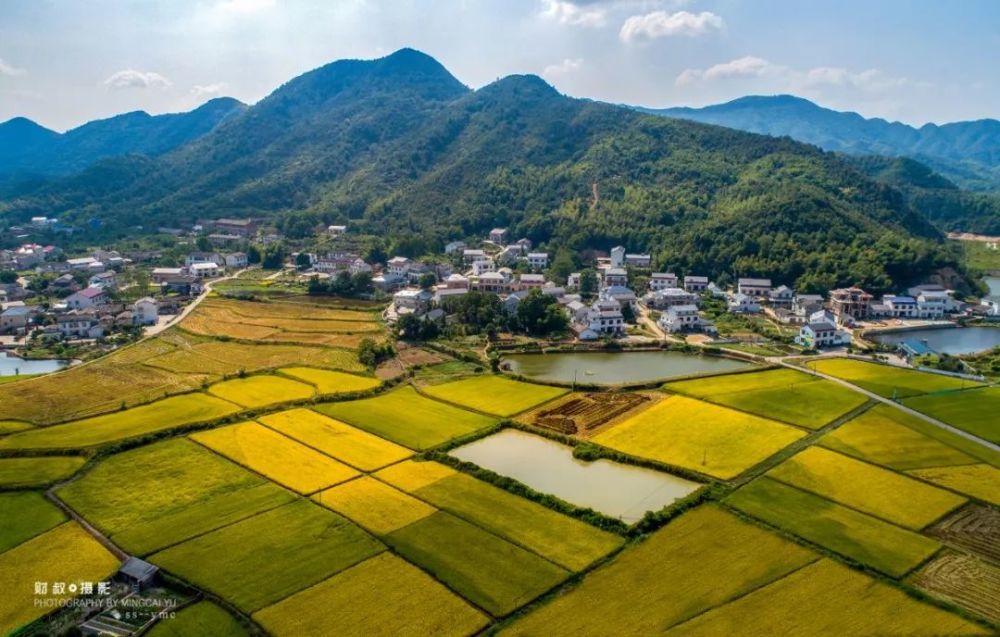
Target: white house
(619,293)
(902,307)
(529,281)
(573,280)
(358,266)
(992,305)
(336,231)
(454,246)
(617,257)
(471,256)
(760,288)
(806,304)
(236,260)
(398,266)
(145,311)
(81,263)
(615,276)
(456,282)
(203,257)
(668,297)
(932,304)
(161,275)
(538,260)
(743,304)
(638,260)
(782,296)
(86,298)
(498,236)
(815,335)
(104,280)
(73,325)
(605,318)
(661,280)
(482,266)
(492,282)
(694,283)
(411,300)
(577,311)
(205,270)
(684,318)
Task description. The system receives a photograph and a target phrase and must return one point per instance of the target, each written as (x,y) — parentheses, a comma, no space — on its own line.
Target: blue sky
(64,62)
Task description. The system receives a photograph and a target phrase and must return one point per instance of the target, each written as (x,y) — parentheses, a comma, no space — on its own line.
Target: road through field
(190,307)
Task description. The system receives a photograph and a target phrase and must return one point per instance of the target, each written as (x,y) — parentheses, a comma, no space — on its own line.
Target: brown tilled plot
(584,412)
(964,580)
(974,528)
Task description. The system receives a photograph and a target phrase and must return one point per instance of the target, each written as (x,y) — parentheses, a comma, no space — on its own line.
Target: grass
(39,471)
(355,603)
(406,417)
(893,438)
(494,394)
(413,475)
(886,380)
(276,457)
(568,542)
(168,413)
(203,618)
(268,557)
(25,514)
(348,444)
(870,541)
(979,257)
(699,436)
(704,558)
(157,495)
(374,505)
(261,391)
(329,382)
(981,481)
(781,394)
(487,570)
(974,411)
(870,489)
(64,554)
(826,598)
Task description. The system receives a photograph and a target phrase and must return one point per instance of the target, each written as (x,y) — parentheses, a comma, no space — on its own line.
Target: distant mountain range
(968,153)
(400,149)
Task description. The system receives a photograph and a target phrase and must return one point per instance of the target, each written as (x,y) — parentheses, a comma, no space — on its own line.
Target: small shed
(138,573)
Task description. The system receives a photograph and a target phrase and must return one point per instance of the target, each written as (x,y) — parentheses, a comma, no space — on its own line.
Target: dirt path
(190,307)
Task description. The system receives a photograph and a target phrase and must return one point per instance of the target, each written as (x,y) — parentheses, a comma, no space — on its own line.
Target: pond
(959,340)
(12,365)
(617,490)
(993,283)
(617,368)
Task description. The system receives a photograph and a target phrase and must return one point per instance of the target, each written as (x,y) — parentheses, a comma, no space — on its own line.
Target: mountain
(968,153)
(410,155)
(27,149)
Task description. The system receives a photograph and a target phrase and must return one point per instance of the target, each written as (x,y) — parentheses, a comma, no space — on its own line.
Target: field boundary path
(89,528)
(888,401)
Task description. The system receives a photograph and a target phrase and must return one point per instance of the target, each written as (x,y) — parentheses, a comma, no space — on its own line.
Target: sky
(65,62)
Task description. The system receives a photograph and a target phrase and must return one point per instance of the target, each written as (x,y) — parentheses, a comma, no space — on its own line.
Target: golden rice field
(276,457)
(230,357)
(331,382)
(65,554)
(261,391)
(236,310)
(374,505)
(886,380)
(413,475)
(382,596)
(494,394)
(37,471)
(981,481)
(879,492)
(168,413)
(339,440)
(10,426)
(700,436)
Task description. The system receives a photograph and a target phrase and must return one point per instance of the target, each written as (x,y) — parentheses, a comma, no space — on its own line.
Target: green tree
(274,255)
(302,260)
(588,282)
(8,276)
(427,281)
(562,265)
(540,314)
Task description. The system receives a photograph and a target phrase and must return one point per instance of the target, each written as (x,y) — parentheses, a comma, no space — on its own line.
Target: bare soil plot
(582,413)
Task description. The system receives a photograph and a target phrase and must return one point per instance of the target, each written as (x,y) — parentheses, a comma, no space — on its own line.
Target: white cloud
(209,90)
(658,24)
(7,69)
(130,78)
(568,65)
(245,6)
(566,12)
(871,79)
(796,80)
(747,66)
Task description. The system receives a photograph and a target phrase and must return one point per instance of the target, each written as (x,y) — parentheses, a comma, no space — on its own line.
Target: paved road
(159,327)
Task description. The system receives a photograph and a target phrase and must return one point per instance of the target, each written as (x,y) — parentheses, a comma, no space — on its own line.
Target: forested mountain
(401,148)
(27,149)
(968,153)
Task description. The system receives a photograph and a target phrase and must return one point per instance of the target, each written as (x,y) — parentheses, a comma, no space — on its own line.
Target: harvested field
(974,528)
(585,412)
(980,481)
(268,557)
(711,557)
(866,488)
(374,505)
(494,394)
(700,436)
(345,341)
(354,603)
(25,514)
(64,554)
(203,619)
(276,457)
(168,413)
(406,417)
(963,580)
(487,570)
(38,471)
(201,323)
(261,391)
(870,541)
(886,380)
(826,599)
(348,444)
(234,310)
(329,382)
(974,411)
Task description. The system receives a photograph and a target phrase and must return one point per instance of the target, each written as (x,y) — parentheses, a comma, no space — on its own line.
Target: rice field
(355,603)
(64,554)
(339,440)
(711,557)
(780,394)
(965,580)
(886,380)
(10,426)
(975,411)
(494,394)
(981,481)
(261,391)
(203,618)
(265,558)
(405,417)
(330,382)
(230,357)
(37,471)
(700,436)
(25,514)
(237,310)
(865,539)
(492,573)
(413,475)
(277,457)
(374,505)
(177,411)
